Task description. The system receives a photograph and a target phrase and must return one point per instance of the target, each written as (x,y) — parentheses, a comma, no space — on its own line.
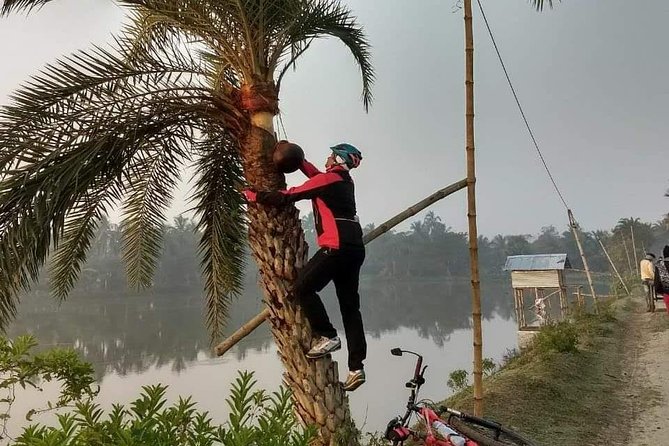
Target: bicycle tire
(484,437)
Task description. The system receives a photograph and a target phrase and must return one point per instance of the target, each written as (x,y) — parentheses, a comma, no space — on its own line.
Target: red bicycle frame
(430,416)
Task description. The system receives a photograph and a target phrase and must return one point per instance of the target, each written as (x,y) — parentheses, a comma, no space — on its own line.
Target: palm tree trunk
(279,248)
(471,210)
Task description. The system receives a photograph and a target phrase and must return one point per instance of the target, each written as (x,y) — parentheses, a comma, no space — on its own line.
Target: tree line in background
(428,249)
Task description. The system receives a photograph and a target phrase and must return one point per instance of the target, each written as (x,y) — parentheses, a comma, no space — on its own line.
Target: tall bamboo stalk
(627,254)
(574,229)
(471,209)
(636,258)
(613,265)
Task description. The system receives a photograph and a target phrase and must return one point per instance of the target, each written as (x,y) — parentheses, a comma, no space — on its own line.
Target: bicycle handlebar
(419,364)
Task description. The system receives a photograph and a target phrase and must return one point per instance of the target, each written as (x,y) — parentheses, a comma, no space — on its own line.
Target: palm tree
(539,4)
(188,82)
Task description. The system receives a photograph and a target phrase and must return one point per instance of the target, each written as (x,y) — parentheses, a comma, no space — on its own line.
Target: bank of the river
(611,391)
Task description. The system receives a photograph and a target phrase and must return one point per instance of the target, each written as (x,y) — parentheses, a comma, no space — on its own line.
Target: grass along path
(608,392)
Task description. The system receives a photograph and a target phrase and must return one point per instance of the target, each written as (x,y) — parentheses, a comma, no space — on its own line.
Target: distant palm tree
(187,82)
(539,4)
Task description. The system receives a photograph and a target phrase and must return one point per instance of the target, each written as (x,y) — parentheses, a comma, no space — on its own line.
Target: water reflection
(124,334)
(138,340)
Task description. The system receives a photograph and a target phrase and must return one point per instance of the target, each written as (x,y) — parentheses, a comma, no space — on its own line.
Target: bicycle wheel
(484,436)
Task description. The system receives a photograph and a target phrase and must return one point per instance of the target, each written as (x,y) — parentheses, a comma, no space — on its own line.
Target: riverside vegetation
(256,417)
(415,253)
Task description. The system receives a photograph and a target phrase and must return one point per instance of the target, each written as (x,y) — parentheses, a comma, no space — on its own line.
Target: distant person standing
(662,276)
(647,271)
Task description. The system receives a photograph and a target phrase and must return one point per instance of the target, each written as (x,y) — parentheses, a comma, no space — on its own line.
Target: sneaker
(324,347)
(355,379)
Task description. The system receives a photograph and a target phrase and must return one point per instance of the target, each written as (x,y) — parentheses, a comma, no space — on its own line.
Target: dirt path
(648,371)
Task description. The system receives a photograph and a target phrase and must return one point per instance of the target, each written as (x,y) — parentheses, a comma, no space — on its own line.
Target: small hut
(541,280)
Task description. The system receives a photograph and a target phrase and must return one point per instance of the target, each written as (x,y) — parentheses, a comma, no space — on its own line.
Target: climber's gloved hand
(250,195)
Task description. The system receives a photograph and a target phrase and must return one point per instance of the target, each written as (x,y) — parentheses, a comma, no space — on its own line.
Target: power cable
(520,108)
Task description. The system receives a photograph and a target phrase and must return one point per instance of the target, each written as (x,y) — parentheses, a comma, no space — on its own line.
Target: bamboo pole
(471,209)
(636,259)
(522,307)
(256,321)
(614,266)
(413,210)
(519,306)
(574,229)
(564,304)
(627,254)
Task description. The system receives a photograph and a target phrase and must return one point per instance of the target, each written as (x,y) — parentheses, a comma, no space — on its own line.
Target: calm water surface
(134,341)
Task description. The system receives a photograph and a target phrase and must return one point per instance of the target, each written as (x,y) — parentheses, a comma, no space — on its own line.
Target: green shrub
(458,380)
(256,419)
(511,355)
(22,367)
(489,367)
(561,337)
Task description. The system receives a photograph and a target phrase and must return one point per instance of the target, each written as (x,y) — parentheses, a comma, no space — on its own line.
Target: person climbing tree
(339,258)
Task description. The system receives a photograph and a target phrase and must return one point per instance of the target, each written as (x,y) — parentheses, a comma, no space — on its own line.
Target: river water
(134,341)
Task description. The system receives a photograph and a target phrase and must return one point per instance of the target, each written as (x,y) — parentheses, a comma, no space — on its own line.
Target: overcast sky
(593,78)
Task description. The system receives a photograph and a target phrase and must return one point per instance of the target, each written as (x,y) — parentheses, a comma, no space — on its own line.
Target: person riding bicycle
(339,258)
(647,271)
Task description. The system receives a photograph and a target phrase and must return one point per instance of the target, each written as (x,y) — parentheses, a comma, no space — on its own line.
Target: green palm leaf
(222,225)
(21,5)
(81,135)
(153,176)
(316,19)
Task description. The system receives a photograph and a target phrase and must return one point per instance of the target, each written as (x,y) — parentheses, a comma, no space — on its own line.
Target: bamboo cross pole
(614,266)
(257,320)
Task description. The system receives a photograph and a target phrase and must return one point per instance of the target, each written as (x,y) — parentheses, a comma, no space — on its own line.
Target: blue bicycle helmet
(348,154)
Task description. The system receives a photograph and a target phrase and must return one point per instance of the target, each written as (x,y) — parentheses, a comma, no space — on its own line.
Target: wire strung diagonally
(572,222)
(520,107)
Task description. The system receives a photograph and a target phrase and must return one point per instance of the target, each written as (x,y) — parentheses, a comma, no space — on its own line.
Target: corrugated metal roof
(537,262)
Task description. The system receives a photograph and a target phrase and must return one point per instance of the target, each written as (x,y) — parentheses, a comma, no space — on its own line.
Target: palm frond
(153,176)
(9,6)
(214,25)
(539,4)
(22,251)
(221,223)
(252,38)
(313,19)
(71,142)
(35,202)
(78,234)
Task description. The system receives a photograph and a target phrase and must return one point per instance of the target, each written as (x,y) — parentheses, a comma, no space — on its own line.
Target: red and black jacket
(332,194)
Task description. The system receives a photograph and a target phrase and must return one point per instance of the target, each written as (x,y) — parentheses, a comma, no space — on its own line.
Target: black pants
(342,266)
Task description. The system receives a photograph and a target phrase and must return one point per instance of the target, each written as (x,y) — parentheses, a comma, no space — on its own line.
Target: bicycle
(458,429)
